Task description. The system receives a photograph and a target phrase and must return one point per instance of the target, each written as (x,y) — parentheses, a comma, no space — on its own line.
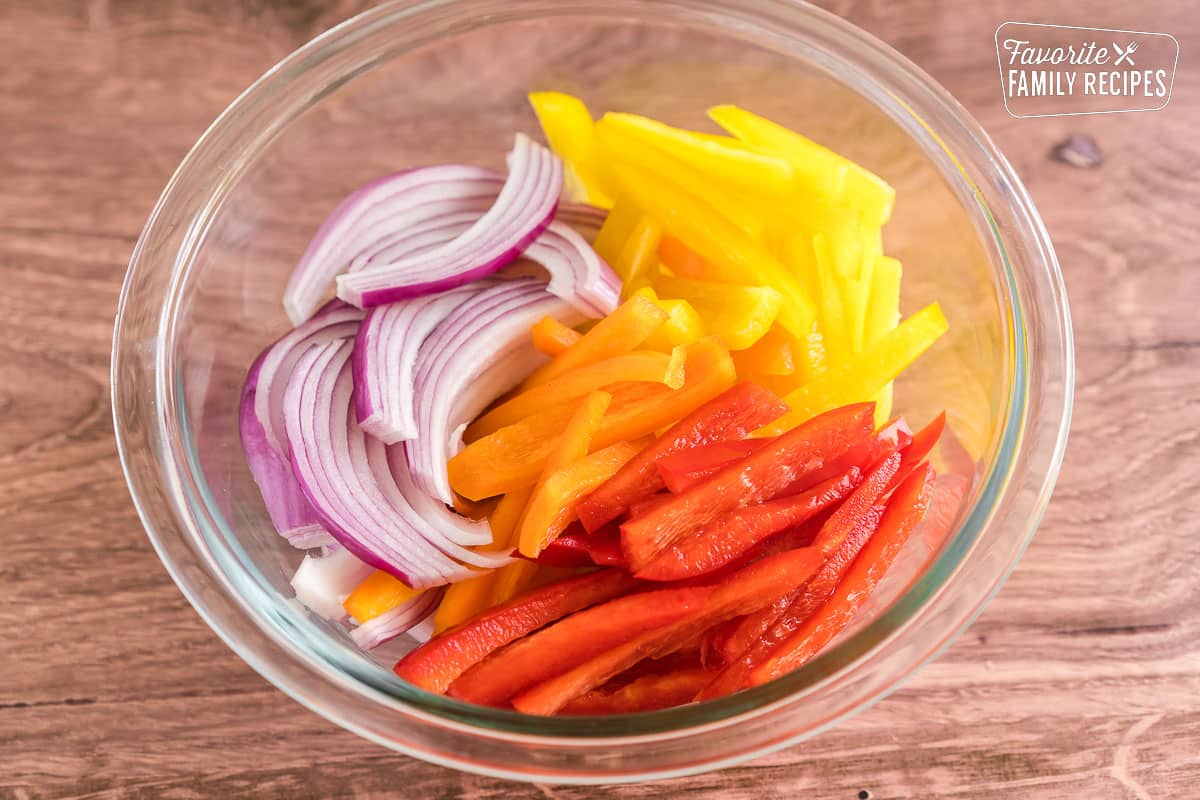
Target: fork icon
(1124,54)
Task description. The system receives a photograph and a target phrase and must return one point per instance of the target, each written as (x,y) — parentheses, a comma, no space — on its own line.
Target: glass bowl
(420,83)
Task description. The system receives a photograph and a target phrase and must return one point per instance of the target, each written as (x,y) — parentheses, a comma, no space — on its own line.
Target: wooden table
(1081,680)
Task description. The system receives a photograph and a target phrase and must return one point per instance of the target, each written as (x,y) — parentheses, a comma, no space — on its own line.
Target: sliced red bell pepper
(572,641)
(647,504)
(647,693)
(683,470)
(733,534)
(751,642)
(741,593)
(785,463)
(905,509)
(728,416)
(437,663)
(918,448)
(576,547)
(848,515)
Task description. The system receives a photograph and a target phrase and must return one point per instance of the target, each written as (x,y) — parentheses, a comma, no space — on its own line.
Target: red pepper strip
(437,663)
(905,509)
(648,504)
(733,534)
(731,415)
(683,470)
(741,593)
(943,511)
(788,461)
(572,641)
(574,547)
(716,640)
(846,518)
(757,634)
(917,449)
(647,693)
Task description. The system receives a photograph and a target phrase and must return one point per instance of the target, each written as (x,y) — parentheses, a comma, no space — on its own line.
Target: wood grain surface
(1081,680)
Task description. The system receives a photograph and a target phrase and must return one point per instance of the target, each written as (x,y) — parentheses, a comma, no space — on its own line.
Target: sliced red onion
(584,218)
(577,273)
(346,478)
(392,623)
(371,218)
(522,210)
(454,526)
(385,355)
(260,422)
(324,582)
(487,328)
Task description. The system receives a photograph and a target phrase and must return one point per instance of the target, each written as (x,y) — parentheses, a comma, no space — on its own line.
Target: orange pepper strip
(680,259)
(379,592)
(772,355)
(552,508)
(514,456)
(638,366)
(620,332)
(552,337)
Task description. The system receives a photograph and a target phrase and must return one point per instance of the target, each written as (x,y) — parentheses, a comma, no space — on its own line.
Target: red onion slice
(577,273)
(322,583)
(374,215)
(346,478)
(489,327)
(261,426)
(522,210)
(399,620)
(584,218)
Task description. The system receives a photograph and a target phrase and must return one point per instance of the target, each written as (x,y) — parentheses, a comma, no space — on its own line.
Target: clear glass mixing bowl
(419,83)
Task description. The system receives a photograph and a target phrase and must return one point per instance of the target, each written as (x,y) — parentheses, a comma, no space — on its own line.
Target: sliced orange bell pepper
(683,325)
(620,332)
(552,337)
(568,127)
(730,255)
(638,259)
(638,366)
(738,315)
(379,592)
(865,375)
(514,456)
(771,356)
(679,258)
(722,158)
(552,507)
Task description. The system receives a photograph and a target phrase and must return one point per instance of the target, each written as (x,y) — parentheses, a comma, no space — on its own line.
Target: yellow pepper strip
(568,127)
(773,355)
(640,365)
(818,168)
(882,315)
(621,146)
(514,456)
(465,599)
(726,160)
(379,592)
(863,376)
(573,445)
(737,315)
(856,293)
(638,260)
(830,308)
(552,337)
(620,332)
(552,508)
(730,255)
(616,229)
(683,326)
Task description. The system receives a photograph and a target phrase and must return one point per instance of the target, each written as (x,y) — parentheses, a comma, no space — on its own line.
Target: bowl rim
(739,708)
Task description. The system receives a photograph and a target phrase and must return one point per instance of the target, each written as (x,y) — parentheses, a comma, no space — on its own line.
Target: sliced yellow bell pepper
(737,315)
(640,365)
(619,145)
(863,376)
(638,260)
(726,160)
(882,316)
(513,457)
(379,592)
(773,355)
(568,127)
(730,255)
(683,326)
(820,169)
(552,337)
(830,305)
(615,231)
(620,332)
